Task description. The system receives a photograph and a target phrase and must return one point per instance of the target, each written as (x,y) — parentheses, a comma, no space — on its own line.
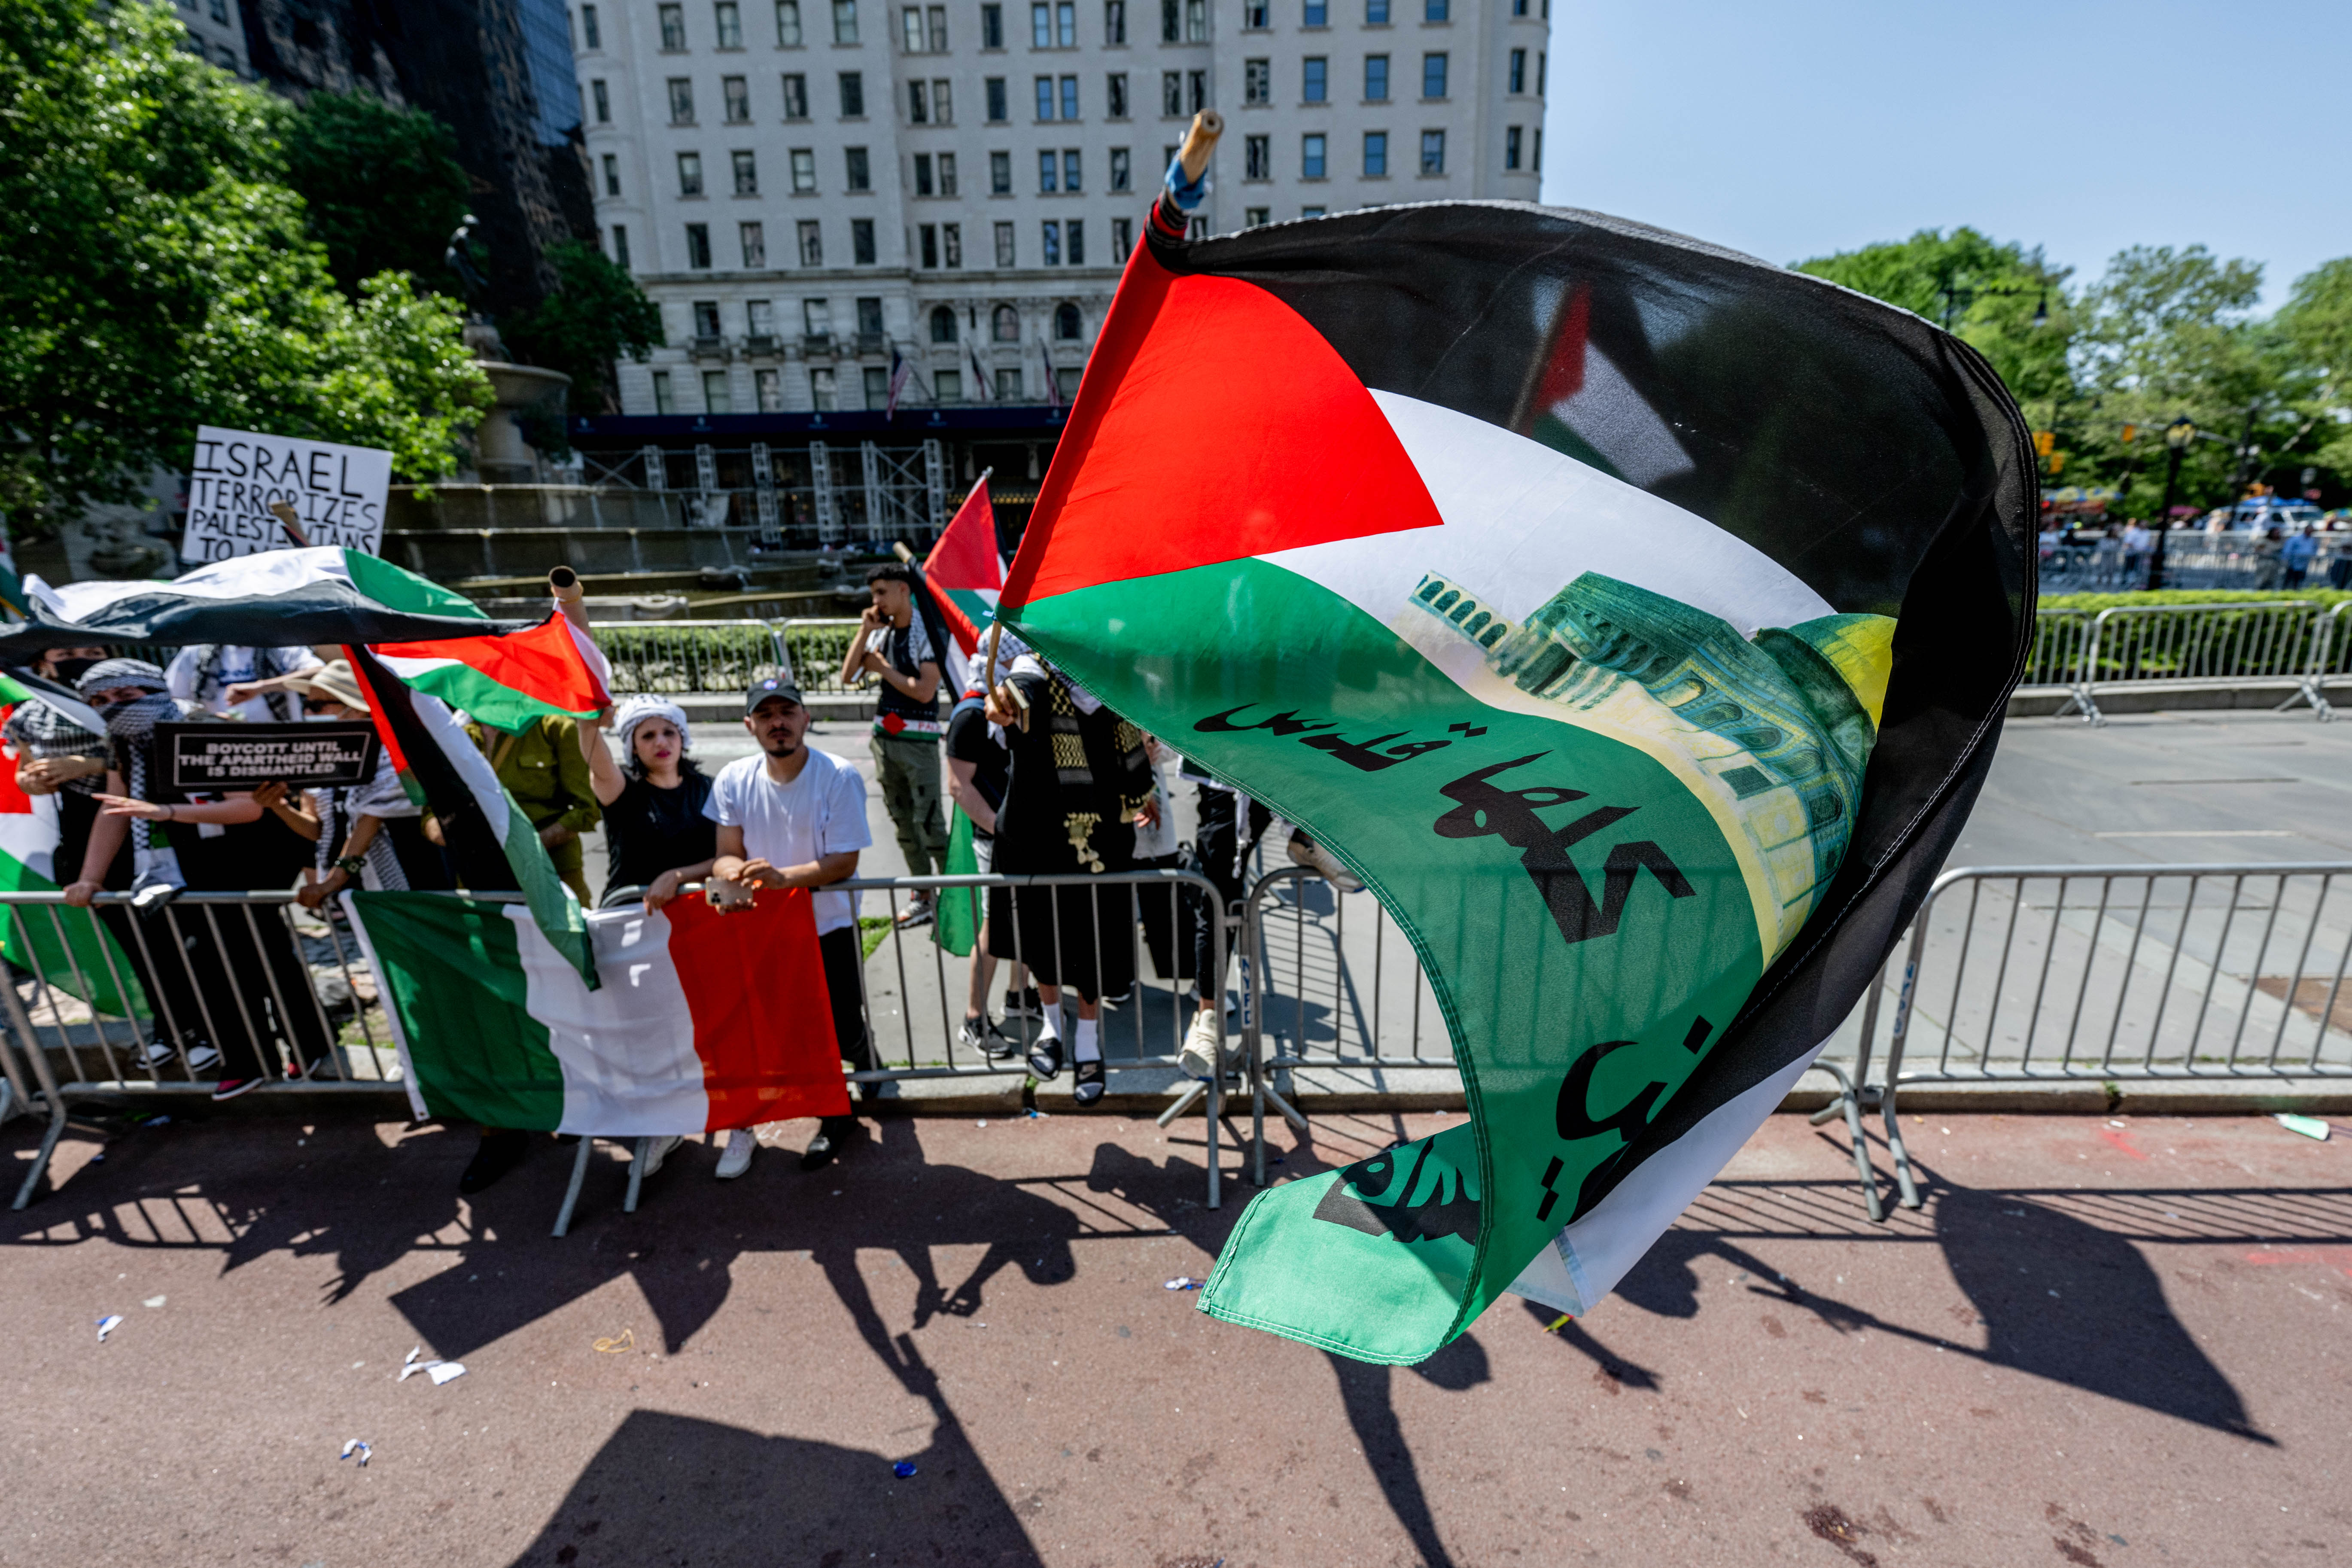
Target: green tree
(383,185)
(595,314)
(161,275)
(1987,292)
(2317,322)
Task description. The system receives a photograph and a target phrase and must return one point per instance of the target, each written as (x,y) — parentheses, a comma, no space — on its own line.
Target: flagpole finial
(564,586)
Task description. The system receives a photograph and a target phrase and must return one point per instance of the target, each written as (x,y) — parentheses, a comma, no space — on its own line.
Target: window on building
(1196,21)
(943,324)
(1317,13)
(698,247)
(736,95)
(1510,147)
(611,176)
(1376,154)
(927,243)
(1049,173)
(1432,75)
(1069,98)
(760,318)
(727,18)
(1376,77)
(947,161)
(1536,162)
(1196,90)
(621,247)
(1376,13)
(1050,241)
(1171,93)
(804,172)
(1000,174)
(788,24)
(859,172)
(1256,15)
(689,174)
(796,97)
(1044,98)
(1436,10)
(1122,237)
(1004,324)
(816,318)
(923,175)
(1257,217)
(951,242)
(1433,152)
(1518,7)
(590,33)
(1066,23)
(1115,96)
(747,174)
(947,386)
(755,245)
(1070,180)
(811,243)
(1008,385)
(1257,81)
(845,21)
(1516,73)
(869,316)
(825,394)
(861,242)
(1310,212)
(852,95)
(1066,324)
(1041,26)
(1003,245)
(919,104)
(1311,155)
(664,402)
(1257,157)
(1315,78)
(681,100)
(1171,22)
(1540,62)
(602,100)
(942,105)
(991,27)
(768,390)
(1121,170)
(1115,23)
(705,318)
(672,27)
(910,29)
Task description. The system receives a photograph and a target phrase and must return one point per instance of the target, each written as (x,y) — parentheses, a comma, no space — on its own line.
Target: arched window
(1004,324)
(943,325)
(1065,323)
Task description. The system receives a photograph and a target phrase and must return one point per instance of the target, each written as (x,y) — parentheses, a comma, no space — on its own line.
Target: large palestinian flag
(508,680)
(703,1020)
(964,574)
(1635,617)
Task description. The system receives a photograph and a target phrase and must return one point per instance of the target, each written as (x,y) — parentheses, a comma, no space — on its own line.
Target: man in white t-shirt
(795,818)
(229,680)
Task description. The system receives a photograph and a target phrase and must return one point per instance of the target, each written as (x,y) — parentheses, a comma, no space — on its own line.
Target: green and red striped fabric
(506,682)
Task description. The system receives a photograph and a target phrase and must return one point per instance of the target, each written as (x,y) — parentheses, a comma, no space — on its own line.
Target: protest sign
(200,758)
(337,494)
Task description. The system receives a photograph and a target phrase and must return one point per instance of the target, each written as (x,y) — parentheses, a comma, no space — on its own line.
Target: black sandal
(1045,1058)
(1088,1083)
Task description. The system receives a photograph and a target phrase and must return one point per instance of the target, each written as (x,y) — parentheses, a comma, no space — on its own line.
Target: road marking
(2204,833)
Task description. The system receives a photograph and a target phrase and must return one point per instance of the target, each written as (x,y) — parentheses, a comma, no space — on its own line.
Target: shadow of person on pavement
(1368,1394)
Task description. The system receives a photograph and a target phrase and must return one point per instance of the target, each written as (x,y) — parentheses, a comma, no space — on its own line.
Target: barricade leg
(572,1193)
(637,1156)
(1849,1101)
(1902,1180)
(56,1130)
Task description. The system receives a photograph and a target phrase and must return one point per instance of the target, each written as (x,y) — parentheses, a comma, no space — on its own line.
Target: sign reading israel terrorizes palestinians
(337,493)
(204,757)
(1635,618)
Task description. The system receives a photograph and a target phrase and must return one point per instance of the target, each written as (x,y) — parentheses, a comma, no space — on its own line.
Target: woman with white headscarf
(656,834)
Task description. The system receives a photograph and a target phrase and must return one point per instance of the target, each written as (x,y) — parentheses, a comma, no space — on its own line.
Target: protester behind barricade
(1079,783)
(240,682)
(657,834)
(892,644)
(373,831)
(56,755)
(544,769)
(1221,851)
(978,766)
(794,817)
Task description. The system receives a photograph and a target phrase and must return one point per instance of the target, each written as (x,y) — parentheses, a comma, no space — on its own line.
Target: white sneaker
(654,1156)
(1305,851)
(738,1158)
(1199,1056)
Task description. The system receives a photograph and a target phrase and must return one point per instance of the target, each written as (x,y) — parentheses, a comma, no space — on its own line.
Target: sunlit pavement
(2099,1344)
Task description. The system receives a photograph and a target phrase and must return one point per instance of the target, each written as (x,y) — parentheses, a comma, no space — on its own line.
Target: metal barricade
(814,648)
(2331,658)
(2061,638)
(2197,645)
(1295,928)
(675,658)
(2108,975)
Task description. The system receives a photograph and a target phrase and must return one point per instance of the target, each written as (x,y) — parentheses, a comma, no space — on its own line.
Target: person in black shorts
(977,769)
(656,836)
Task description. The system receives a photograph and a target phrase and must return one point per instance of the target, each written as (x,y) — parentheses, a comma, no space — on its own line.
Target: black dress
(649,830)
(1077,781)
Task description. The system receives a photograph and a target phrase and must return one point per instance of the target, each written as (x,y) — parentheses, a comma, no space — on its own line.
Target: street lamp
(2176,438)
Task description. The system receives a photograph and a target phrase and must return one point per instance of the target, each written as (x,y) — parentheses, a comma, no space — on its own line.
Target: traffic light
(2131,433)
(2045,442)
(2057,464)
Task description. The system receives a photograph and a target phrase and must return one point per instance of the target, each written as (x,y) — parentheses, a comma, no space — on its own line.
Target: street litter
(2309,1126)
(108,1324)
(903,1469)
(1185,1282)
(154,1301)
(440,1372)
(625,1340)
(358,1447)
(1560,1322)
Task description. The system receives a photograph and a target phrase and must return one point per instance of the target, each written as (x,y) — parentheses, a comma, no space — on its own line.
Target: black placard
(205,758)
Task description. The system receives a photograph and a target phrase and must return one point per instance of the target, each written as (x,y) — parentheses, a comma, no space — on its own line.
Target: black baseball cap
(759,691)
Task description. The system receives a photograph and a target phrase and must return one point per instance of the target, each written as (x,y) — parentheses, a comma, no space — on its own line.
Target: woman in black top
(656,834)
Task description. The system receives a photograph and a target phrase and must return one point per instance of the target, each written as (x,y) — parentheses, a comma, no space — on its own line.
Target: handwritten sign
(200,758)
(337,493)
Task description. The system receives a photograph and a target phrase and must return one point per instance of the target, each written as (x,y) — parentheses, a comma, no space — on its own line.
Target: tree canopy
(595,314)
(163,275)
(382,186)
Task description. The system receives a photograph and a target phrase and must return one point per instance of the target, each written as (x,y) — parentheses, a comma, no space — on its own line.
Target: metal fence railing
(2061,639)
(2194,560)
(667,657)
(815,647)
(2205,645)
(2107,975)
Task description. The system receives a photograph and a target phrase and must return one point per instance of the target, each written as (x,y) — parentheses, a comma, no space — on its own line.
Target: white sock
(1050,1025)
(1083,1045)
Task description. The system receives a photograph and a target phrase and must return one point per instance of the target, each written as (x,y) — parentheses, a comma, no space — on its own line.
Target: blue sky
(1793,129)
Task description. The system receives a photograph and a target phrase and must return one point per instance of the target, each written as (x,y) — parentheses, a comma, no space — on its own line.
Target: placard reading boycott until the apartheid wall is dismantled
(199,758)
(337,493)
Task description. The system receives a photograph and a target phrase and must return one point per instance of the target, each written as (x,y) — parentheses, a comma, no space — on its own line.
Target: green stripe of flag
(452,971)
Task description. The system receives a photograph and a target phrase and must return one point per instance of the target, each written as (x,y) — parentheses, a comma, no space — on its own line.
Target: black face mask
(69,671)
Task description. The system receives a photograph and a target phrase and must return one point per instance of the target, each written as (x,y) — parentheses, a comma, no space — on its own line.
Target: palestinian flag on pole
(1635,617)
(704,1021)
(491,843)
(965,574)
(66,945)
(511,680)
(272,599)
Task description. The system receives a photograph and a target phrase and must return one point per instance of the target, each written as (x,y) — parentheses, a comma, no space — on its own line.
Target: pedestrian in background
(2295,555)
(893,645)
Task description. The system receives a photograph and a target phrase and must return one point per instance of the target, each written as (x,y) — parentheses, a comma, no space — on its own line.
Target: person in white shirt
(795,818)
(240,682)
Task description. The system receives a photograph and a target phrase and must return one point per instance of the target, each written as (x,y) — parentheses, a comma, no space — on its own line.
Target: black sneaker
(832,1138)
(981,1035)
(1025,1003)
(500,1152)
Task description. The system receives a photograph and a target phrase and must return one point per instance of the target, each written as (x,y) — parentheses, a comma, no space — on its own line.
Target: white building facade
(804,185)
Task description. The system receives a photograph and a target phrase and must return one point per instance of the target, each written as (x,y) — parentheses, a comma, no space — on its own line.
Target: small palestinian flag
(704,1021)
(511,680)
(964,574)
(66,946)
(1635,617)
(275,598)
